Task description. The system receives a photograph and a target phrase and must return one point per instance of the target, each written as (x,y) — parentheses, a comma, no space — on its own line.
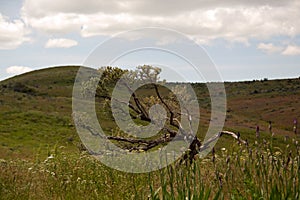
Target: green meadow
(42,157)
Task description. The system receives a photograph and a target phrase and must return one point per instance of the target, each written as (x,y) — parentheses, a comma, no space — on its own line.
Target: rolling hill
(36,110)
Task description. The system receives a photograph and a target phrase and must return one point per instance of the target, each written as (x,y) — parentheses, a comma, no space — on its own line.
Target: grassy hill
(36,109)
(40,157)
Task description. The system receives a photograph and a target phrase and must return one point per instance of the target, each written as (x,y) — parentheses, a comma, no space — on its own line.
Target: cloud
(232,20)
(60,43)
(12,33)
(17,70)
(269,47)
(291,50)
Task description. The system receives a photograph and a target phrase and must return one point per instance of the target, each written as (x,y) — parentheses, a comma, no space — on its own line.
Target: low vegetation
(257,171)
(41,156)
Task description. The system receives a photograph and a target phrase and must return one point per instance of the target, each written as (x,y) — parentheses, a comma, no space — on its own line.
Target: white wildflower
(49,158)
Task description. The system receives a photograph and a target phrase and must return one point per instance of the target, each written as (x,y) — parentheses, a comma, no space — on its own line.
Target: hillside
(36,110)
(262,101)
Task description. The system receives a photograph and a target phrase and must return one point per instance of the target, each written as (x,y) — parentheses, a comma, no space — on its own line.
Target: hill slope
(36,109)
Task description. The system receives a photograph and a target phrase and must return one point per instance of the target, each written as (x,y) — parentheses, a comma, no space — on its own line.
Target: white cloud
(291,50)
(269,47)
(17,70)
(232,20)
(12,33)
(60,43)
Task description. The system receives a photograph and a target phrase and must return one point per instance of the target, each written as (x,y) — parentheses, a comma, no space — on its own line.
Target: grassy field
(41,155)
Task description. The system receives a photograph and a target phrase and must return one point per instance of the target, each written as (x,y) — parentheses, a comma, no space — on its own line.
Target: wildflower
(257,131)
(2,161)
(277,153)
(48,158)
(242,158)
(213,155)
(220,179)
(228,159)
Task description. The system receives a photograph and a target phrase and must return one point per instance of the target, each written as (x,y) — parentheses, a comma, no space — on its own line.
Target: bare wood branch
(129,105)
(139,105)
(172,114)
(147,144)
(194,148)
(220,134)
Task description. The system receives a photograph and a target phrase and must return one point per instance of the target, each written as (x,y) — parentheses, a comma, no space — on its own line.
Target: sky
(246,40)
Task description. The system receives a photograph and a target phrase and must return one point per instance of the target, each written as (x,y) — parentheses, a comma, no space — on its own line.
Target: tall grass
(242,172)
(257,171)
